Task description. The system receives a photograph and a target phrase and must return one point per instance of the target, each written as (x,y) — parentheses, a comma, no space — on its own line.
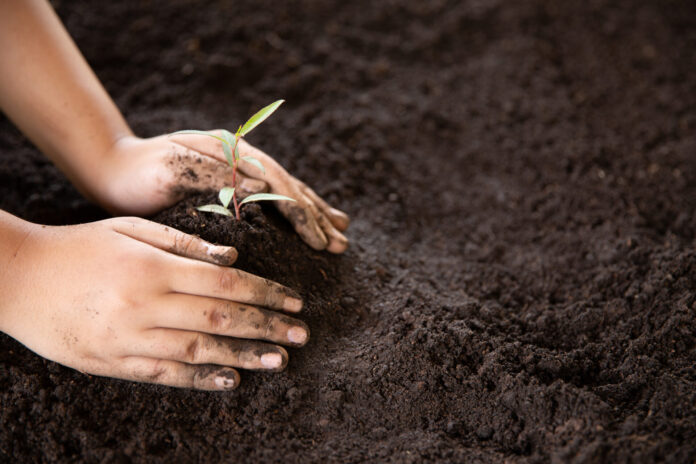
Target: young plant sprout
(231,150)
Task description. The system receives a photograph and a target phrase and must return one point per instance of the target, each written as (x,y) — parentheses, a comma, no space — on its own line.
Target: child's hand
(72,119)
(143,176)
(136,300)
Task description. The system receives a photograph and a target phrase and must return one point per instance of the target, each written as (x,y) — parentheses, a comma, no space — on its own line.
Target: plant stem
(234,177)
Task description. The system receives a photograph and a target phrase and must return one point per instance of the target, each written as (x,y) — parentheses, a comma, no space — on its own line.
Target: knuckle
(183,243)
(273,295)
(151,267)
(219,318)
(155,372)
(133,262)
(194,350)
(246,353)
(268,326)
(129,305)
(228,280)
(158,374)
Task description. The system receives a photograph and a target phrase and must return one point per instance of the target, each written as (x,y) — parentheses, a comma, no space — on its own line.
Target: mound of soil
(521,281)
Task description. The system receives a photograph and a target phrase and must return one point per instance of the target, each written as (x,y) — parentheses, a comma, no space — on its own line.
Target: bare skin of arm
(50,92)
(126,297)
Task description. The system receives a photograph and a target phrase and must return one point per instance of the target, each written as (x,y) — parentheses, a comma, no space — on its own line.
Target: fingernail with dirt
(225,382)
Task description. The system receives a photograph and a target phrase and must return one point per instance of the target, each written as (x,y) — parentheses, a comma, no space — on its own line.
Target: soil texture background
(521,281)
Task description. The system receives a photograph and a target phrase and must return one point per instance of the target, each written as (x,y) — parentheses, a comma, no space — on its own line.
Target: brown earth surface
(521,281)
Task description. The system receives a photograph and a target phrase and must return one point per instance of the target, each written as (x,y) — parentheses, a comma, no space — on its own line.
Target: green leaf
(226,146)
(259,117)
(226,195)
(255,162)
(265,197)
(236,152)
(215,209)
(197,132)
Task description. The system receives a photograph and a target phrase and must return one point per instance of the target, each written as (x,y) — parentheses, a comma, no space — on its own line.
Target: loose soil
(521,281)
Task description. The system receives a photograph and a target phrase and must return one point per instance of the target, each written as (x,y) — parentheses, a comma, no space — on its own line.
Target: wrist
(111,174)
(14,235)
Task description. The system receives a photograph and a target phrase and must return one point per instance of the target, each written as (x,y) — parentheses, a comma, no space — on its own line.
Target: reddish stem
(234,177)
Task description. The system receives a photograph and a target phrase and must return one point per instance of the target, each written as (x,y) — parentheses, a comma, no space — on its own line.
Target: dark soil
(521,282)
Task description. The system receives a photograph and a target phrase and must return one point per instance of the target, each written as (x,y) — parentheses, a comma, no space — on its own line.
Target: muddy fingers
(198,278)
(337,242)
(220,317)
(339,219)
(175,241)
(196,172)
(304,224)
(199,348)
(178,374)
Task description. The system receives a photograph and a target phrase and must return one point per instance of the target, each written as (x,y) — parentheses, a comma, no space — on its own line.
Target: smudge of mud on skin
(283,290)
(227,258)
(296,215)
(223,258)
(227,280)
(248,351)
(207,373)
(69,339)
(308,229)
(274,294)
(218,317)
(191,170)
(152,376)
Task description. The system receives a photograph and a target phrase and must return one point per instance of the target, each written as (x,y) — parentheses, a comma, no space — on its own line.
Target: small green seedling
(231,150)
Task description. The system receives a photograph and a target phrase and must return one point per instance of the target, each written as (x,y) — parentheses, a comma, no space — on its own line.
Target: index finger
(199,278)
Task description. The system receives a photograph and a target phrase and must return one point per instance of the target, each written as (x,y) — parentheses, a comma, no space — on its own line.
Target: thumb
(247,186)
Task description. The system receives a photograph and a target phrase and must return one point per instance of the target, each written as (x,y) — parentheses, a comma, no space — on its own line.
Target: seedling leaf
(259,117)
(255,162)
(225,196)
(197,132)
(226,146)
(215,209)
(265,197)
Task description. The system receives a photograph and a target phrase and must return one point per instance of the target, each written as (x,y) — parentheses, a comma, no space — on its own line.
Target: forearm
(13,234)
(49,91)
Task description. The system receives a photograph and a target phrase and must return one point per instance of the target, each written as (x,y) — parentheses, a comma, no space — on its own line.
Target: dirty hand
(72,119)
(146,175)
(136,300)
